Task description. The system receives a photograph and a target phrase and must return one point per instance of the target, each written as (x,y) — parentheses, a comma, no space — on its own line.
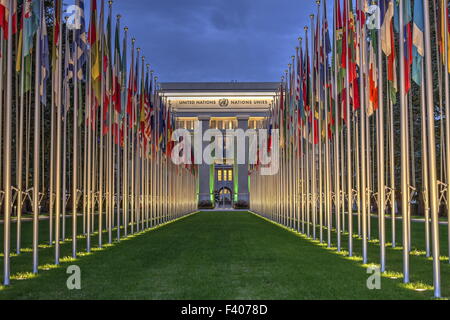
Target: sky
(216,40)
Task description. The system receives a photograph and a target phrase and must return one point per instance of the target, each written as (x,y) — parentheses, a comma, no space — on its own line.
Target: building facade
(222,106)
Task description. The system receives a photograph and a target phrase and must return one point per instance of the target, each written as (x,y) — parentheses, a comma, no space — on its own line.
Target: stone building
(220,105)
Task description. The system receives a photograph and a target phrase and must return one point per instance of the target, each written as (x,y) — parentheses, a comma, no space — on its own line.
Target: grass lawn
(214,255)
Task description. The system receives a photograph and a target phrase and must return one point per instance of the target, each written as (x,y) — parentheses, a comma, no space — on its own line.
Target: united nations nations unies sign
(222,103)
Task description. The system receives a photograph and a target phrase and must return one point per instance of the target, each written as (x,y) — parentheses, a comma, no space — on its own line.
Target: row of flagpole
(345,112)
(100,141)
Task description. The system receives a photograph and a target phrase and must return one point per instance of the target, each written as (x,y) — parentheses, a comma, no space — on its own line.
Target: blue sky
(216,40)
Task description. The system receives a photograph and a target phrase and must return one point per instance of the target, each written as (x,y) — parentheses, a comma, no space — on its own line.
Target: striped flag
(31,23)
(418,42)
(80,42)
(45,63)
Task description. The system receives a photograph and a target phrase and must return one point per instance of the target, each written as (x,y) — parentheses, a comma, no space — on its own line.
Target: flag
(326,30)
(80,43)
(373,82)
(30,24)
(117,86)
(56,30)
(107,69)
(408,56)
(387,13)
(4,16)
(444,15)
(132,89)
(418,42)
(94,42)
(45,63)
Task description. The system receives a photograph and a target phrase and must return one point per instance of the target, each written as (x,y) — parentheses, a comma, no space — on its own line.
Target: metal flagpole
(444,7)
(125,199)
(337,191)
(392,171)
(75,145)
(117,148)
(381,158)
(110,169)
(404,151)
(7,157)
(319,145)
(349,139)
(58,145)
(363,133)
(313,145)
(65,83)
(36,152)
(425,165)
(431,153)
(20,151)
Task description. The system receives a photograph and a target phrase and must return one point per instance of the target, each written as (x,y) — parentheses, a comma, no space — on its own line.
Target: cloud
(216,40)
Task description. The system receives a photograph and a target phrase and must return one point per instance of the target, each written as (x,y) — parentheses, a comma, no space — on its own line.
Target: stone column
(243,194)
(204,169)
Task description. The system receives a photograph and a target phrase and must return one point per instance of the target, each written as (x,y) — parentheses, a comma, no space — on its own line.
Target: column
(243,194)
(204,169)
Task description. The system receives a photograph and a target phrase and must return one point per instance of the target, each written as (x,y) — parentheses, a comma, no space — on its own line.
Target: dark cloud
(216,40)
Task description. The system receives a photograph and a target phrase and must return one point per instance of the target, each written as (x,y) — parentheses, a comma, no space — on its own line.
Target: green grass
(215,255)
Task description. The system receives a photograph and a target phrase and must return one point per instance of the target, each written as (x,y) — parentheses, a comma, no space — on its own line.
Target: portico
(222,106)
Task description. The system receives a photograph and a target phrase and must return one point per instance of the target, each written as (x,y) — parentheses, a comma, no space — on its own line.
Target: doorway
(225,198)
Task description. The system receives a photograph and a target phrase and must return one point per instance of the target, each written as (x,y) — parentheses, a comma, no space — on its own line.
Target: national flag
(4,16)
(45,63)
(80,42)
(117,86)
(387,14)
(444,15)
(30,24)
(418,42)
(56,31)
(94,42)
(373,82)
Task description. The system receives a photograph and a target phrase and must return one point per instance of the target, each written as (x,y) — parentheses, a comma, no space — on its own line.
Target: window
(223,123)
(186,123)
(219,175)
(230,175)
(256,123)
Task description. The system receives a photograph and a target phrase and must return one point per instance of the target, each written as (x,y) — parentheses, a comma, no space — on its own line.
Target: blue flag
(45,62)
(31,16)
(418,42)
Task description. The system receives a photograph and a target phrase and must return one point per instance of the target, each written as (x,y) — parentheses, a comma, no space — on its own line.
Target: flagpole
(132,137)
(66,106)
(445,32)
(404,151)
(381,158)
(58,145)
(431,153)
(20,147)
(337,191)
(110,166)
(327,106)
(313,122)
(319,143)
(349,139)
(36,152)
(425,165)
(75,147)
(117,150)
(125,199)
(7,157)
